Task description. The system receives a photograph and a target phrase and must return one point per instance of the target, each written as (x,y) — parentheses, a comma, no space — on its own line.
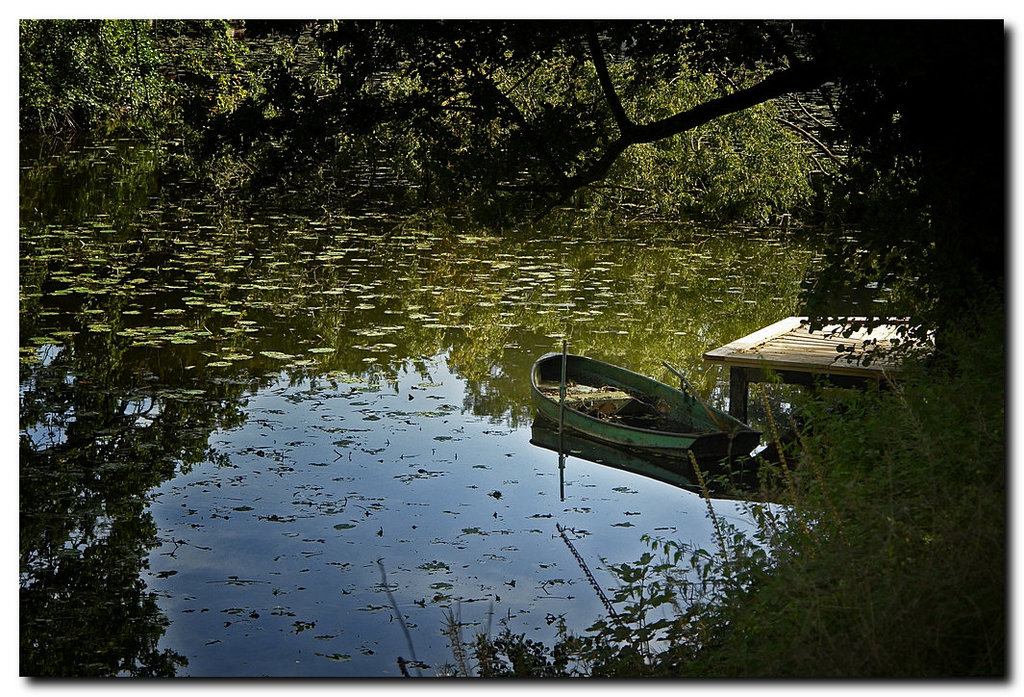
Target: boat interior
(615,404)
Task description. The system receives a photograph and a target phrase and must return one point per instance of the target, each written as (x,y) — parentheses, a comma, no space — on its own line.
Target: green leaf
(277,355)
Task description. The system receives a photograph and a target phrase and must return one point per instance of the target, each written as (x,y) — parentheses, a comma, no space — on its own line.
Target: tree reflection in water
(94,441)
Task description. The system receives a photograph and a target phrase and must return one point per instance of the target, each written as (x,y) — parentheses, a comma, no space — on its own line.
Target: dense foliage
(148,76)
(78,74)
(496,117)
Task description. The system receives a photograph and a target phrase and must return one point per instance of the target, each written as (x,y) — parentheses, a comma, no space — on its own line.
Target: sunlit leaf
(277,355)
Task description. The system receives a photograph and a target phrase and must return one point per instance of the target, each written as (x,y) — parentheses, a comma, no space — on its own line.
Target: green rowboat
(615,405)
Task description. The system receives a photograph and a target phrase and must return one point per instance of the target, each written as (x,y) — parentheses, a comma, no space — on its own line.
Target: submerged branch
(810,136)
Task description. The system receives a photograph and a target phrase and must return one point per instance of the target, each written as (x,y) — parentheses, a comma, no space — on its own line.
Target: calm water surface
(236,426)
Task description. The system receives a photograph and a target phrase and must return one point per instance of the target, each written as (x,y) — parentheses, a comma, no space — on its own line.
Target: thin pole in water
(561,424)
(561,476)
(561,394)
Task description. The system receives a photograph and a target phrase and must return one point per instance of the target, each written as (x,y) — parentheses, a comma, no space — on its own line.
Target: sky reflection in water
(269,566)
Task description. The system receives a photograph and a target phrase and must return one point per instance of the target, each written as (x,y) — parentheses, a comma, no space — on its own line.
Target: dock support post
(738,392)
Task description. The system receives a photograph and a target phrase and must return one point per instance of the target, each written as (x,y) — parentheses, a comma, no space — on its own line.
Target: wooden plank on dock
(789,349)
(790,345)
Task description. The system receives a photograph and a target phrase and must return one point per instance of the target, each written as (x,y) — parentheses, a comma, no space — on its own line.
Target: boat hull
(634,411)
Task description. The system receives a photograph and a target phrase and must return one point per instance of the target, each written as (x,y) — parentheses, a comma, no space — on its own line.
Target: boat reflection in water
(723,478)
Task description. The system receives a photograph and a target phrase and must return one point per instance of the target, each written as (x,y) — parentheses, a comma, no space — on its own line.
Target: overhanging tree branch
(611,96)
(801,78)
(798,79)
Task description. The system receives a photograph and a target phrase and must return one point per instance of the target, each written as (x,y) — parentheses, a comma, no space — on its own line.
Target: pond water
(267,442)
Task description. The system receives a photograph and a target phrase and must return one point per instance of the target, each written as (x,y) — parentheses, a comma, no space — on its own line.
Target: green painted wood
(658,418)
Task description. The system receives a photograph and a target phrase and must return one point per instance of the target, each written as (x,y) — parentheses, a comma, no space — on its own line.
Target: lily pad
(277,355)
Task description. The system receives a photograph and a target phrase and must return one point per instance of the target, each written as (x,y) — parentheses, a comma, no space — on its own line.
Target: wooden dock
(789,350)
